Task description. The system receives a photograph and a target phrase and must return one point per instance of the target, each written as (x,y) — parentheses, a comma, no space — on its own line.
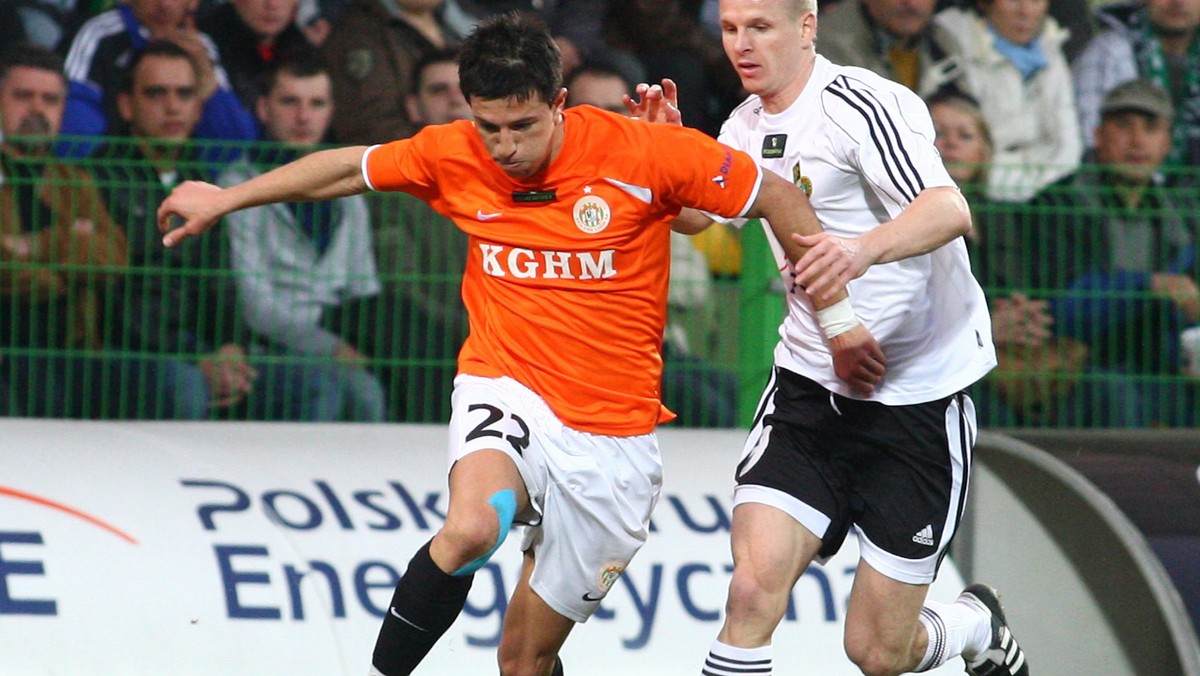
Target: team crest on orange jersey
(592,214)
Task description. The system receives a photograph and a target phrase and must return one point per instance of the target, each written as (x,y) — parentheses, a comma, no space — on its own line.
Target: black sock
(426,603)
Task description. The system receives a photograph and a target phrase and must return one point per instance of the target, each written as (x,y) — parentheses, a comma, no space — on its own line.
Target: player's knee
(469,536)
(475,536)
(876,659)
(749,601)
(523,663)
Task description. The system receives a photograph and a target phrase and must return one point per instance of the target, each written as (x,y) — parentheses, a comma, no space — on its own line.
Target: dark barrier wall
(1080,569)
(1154,477)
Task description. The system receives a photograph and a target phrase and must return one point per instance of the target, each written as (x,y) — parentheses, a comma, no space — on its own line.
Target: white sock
(727,660)
(954,629)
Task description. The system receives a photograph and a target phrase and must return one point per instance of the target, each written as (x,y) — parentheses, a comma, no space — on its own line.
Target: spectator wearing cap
(1154,39)
(1120,248)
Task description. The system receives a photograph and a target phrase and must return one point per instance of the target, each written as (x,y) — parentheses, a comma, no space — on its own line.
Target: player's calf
(428,599)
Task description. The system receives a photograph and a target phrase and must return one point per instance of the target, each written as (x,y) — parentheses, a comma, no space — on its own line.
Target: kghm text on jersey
(502,261)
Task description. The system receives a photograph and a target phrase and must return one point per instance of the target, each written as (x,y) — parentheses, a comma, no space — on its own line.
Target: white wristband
(837,318)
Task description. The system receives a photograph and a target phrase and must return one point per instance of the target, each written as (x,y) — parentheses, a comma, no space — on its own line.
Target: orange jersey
(566,277)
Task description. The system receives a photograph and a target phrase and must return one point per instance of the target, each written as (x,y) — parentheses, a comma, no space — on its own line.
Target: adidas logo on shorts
(924,536)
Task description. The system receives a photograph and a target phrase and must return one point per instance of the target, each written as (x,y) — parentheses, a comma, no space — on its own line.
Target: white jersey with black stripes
(862,146)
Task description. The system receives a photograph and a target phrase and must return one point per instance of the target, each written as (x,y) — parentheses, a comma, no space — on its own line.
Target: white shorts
(591,496)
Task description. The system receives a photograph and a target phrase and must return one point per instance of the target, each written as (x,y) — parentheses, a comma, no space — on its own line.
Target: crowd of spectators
(1074,131)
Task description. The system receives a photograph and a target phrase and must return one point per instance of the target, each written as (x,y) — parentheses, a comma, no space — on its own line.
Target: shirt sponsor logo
(501,261)
(773,145)
(535,196)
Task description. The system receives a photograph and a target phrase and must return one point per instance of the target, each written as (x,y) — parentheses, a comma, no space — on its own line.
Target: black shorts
(897,474)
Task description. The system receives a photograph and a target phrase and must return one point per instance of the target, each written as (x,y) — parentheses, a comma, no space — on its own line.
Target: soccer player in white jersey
(824,460)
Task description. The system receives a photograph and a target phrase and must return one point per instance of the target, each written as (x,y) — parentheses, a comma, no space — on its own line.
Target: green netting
(98,320)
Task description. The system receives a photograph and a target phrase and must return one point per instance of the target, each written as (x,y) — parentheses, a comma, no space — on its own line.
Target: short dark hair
(510,55)
(300,63)
(30,55)
(161,48)
(430,58)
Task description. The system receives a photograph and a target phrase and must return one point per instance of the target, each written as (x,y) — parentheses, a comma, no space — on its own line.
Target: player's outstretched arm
(789,213)
(194,207)
(857,357)
(937,216)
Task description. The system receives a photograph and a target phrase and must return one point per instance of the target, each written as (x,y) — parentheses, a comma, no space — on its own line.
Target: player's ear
(560,101)
(809,25)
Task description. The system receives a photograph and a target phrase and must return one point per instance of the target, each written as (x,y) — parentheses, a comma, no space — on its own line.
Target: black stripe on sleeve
(896,160)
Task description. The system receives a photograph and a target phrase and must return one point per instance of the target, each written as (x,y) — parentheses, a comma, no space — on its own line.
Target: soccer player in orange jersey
(557,397)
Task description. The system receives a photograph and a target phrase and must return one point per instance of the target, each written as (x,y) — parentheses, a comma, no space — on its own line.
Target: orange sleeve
(700,173)
(406,165)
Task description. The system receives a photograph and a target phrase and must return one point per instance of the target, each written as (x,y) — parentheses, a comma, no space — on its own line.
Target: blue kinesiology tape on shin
(505,504)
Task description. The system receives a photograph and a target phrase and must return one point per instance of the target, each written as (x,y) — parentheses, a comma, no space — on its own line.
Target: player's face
(298,110)
(770,45)
(521,136)
(31,102)
(1018,21)
(960,142)
(1133,144)
(165,100)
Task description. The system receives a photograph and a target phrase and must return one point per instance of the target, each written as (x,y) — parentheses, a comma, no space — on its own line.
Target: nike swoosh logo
(405,620)
(590,599)
(487,217)
(637,191)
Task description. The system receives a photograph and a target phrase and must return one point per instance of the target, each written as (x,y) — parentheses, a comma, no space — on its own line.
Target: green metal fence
(98,320)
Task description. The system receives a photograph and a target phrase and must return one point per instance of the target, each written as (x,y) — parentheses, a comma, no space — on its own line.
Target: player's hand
(655,103)
(188,211)
(858,360)
(829,263)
